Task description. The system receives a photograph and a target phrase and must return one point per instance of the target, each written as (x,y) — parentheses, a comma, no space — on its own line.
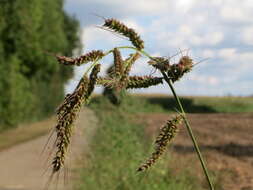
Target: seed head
(118,62)
(176,71)
(143,81)
(67,114)
(92,82)
(120,28)
(167,133)
(88,57)
(160,63)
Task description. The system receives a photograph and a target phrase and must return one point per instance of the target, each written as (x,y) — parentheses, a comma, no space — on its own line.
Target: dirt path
(226,141)
(22,166)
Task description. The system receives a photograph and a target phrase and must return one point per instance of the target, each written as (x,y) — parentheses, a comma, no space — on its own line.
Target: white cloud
(247,35)
(227,53)
(218,29)
(208,53)
(93,37)
(236,11)
(185,29)
(212,38)
(203,79)
(184,5)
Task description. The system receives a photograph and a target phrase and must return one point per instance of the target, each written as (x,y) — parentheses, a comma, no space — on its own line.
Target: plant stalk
(190,132)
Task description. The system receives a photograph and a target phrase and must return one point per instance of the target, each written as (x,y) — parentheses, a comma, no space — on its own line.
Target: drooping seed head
(167,133)
(67,114)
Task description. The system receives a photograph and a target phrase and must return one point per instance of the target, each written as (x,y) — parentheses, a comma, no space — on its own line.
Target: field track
(225,139)
(22,166)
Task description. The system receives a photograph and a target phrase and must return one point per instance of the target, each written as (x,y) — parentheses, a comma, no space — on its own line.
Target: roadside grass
(118,147)
(25,132)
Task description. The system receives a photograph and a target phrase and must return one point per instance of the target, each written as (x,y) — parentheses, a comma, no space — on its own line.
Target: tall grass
(119,80)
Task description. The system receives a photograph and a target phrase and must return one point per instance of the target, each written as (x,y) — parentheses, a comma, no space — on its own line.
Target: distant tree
(31,82)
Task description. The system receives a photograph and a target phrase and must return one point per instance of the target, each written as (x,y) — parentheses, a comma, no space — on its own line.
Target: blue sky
(220,30)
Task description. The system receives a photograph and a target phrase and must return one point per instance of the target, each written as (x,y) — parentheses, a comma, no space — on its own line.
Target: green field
(162,103)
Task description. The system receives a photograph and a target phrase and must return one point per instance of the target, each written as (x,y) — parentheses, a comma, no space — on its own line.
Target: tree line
(31,81)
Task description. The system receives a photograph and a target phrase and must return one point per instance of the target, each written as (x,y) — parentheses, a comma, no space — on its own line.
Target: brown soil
(22,166)
(226,141)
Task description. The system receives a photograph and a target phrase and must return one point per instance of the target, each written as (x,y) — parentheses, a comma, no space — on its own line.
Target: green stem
(190,131)
(133,48)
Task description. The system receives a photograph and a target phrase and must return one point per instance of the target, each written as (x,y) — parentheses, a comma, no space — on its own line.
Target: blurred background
(217,93)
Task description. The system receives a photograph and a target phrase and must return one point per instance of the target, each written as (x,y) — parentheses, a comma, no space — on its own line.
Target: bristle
(119,27)
(167,133)
(143,81)
(88,57)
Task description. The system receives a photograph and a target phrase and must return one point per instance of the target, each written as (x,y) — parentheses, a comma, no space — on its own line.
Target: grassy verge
(24,133)
(118,147)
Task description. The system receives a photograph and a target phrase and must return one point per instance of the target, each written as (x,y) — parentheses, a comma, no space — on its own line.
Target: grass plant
(120,80)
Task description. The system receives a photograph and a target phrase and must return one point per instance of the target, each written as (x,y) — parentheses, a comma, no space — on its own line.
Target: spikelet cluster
(176,71)
(160,63)
(92,82)
(127,67)
(118,73)
(88,57)
(120,28)
(67,114)
(118,62)
(143,81)
(167,133)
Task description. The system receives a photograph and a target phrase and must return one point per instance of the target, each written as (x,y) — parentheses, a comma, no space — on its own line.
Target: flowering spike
(167,133)
(119,27)
(88,57)
(143,81)
(118,62)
